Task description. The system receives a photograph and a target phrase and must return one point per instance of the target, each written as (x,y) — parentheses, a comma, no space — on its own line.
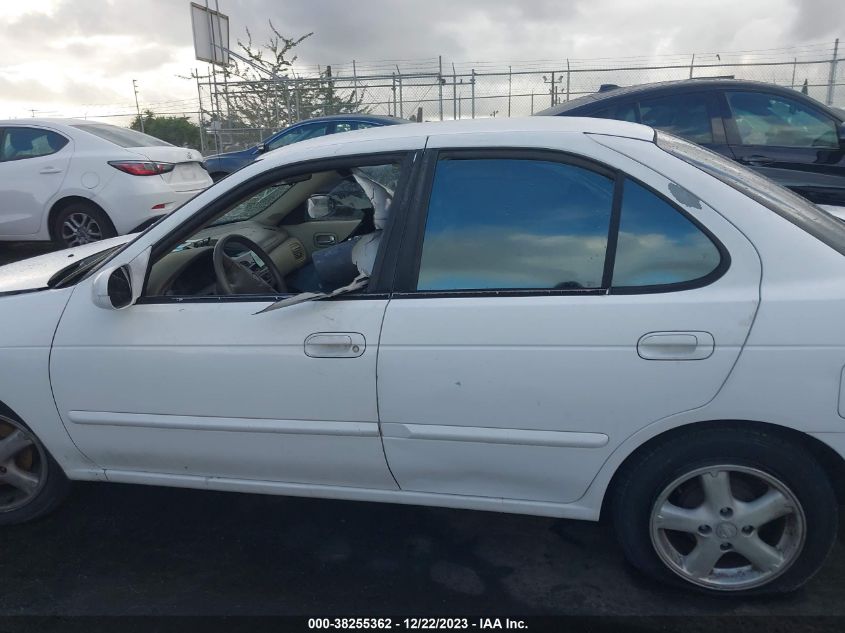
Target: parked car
(551,316)
(75,182)
(782,133)
(221,165)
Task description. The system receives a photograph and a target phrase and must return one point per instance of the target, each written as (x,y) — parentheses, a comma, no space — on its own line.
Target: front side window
(657,245)
(766,119)
(29,142)
(685,115)
(302,133)
(515,224)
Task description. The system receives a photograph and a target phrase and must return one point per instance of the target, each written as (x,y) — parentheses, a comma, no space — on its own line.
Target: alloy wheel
(727,527)
(23,465)
(80,228)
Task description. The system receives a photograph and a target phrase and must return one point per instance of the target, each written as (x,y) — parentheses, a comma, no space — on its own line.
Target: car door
(788,140)
(204,386)
(33,165)
(548,308)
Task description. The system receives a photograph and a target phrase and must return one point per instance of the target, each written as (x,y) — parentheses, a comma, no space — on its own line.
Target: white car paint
(518,404)
(33,188)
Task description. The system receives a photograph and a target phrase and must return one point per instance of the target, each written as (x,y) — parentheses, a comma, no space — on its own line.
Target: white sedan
(563,317)
(76,182)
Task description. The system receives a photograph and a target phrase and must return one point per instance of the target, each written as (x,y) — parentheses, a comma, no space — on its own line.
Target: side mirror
(118,287)
(261,148)
(320,206)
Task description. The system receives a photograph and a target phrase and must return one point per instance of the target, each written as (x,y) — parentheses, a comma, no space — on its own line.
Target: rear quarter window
(124,137)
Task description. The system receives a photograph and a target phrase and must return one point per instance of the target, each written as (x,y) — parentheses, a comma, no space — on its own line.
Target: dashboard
(188,269)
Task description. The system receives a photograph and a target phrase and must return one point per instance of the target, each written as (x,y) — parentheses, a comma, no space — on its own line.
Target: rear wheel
(81,223)
(31,482)
(731,511)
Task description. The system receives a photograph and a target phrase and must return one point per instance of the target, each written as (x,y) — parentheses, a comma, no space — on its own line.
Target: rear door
(789,141)
(33,165)
(547,307)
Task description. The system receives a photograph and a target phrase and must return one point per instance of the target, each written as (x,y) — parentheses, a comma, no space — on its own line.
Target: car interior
(313,233)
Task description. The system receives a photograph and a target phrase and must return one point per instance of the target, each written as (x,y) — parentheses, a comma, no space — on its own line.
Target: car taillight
(141,168)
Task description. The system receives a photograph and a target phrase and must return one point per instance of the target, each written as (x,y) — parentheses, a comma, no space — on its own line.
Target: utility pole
(832,80)
(137,107)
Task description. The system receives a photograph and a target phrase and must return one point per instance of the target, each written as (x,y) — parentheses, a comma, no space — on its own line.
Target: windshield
(800,211)
(254,205)
(122,136)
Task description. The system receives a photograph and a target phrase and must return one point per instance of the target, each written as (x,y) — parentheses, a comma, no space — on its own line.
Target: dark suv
(782,133)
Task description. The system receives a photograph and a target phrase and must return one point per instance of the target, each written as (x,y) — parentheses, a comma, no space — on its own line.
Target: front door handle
(676,346)
(335,345)
(50,170)
(324,239)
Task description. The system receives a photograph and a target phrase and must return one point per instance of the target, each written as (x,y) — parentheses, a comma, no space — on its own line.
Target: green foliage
(178,131)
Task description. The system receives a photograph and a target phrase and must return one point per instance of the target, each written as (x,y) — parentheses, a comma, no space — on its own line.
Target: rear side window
(30,142)
(122,136)
(515,224)
(685,115)
(657,245)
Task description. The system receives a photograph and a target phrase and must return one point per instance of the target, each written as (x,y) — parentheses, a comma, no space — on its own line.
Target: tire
(673,512)
(23,460)
(81,222)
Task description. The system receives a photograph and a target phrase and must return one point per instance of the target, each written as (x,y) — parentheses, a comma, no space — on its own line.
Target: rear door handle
(676,345)
(335,345)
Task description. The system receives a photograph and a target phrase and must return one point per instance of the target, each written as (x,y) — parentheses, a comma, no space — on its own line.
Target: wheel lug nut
(725,547)
(748,529)
(726,512)
(704,529)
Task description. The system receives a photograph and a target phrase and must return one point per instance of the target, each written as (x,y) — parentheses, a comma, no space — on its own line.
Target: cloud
(107,44)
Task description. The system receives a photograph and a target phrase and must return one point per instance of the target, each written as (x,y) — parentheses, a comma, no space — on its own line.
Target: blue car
(221,165)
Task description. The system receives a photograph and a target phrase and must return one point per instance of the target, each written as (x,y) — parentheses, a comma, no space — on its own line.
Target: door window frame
(405,255)
(408,160)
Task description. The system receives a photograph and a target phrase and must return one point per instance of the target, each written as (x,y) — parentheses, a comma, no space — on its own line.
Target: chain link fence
(434,91)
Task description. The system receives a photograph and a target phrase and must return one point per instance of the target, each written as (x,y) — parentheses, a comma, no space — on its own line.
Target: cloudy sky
(78,57)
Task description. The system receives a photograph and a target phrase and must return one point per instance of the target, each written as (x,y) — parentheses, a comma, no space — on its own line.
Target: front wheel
(730,511)
(31,482)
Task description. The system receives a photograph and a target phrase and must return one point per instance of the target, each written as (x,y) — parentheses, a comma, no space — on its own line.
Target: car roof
(375,118)
(607,96)
(369,138)
(50,122)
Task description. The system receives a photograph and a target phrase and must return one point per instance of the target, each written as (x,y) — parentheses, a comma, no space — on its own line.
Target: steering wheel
(235,279)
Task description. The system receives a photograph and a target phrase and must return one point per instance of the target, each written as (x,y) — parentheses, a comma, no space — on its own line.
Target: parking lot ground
(135,550)
(14,251)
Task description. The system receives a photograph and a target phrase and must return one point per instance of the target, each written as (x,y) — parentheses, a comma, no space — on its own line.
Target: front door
(193,381)
(520,354)
(789,141)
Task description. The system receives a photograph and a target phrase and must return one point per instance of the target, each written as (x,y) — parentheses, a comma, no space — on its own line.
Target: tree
(249,97)
(176,130)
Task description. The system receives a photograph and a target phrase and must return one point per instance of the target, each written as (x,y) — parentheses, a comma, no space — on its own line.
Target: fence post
(691,65)
(401,101)
(393,77)
(568,73)
(355,84)
(532,103)
(472,88)
(510,84)
(454,93)
(794,67)
(199,103)
(832,80)
(553,88)
(440,82)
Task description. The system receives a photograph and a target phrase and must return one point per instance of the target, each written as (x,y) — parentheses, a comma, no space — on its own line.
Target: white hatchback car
(564,317)
(76,182)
